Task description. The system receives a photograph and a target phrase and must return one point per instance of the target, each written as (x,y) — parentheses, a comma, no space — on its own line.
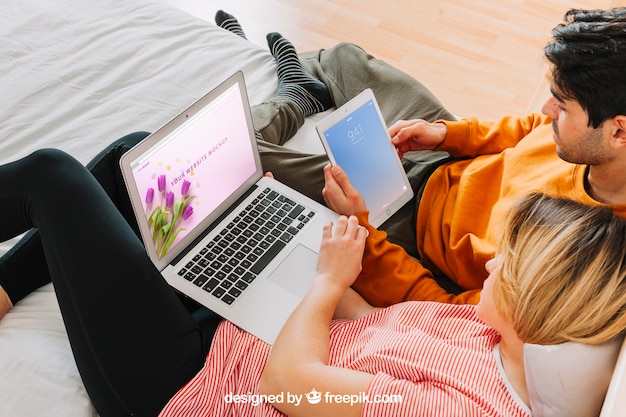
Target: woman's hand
(339,193)
(417,135)
(341,252)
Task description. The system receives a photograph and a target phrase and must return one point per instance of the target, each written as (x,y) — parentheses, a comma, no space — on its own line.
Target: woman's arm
(298,362)
(353,306)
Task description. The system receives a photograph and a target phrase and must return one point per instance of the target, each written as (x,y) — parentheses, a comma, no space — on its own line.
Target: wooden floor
(481,58)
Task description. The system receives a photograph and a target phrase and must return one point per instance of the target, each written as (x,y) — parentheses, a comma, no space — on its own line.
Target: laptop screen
(190,172)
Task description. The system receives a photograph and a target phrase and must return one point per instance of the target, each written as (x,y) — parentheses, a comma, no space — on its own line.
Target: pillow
(569,379)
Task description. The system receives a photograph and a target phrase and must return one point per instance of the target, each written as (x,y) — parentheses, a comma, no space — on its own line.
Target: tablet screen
(358,142)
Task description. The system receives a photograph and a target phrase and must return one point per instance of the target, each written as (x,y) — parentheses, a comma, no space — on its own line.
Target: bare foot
(5,302)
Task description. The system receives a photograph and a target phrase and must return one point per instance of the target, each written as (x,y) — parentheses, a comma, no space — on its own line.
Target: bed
(75,75)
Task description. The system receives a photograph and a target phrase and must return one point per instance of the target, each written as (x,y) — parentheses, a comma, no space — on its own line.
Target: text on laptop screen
(194,169)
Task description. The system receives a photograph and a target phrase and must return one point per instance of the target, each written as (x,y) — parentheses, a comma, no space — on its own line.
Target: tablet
(356,138)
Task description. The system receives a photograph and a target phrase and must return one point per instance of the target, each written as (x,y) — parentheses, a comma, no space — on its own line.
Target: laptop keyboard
(231,261)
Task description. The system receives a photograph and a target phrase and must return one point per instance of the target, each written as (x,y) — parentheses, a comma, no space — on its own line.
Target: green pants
(347,70)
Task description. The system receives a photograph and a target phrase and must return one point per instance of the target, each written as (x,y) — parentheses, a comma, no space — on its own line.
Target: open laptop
(356,138)
(241,244)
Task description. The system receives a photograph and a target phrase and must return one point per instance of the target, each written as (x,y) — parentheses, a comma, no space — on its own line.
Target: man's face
(576,141)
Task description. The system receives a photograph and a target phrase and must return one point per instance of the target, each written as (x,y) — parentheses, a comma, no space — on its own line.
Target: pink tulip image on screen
(193,170)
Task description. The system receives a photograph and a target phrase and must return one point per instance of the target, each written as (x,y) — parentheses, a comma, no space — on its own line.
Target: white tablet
(356,138)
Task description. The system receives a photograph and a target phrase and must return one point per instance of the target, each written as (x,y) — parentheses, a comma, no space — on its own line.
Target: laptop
(356,138)
(241,244)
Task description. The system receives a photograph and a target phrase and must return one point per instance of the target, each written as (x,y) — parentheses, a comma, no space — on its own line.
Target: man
(577,148)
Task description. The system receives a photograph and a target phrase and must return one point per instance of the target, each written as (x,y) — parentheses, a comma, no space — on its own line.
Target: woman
(140,352)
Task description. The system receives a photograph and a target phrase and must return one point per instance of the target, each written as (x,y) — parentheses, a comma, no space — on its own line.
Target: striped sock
(228,22)
(308,93)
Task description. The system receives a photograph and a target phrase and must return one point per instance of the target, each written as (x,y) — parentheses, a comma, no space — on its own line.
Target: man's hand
(416,135)
(339,193)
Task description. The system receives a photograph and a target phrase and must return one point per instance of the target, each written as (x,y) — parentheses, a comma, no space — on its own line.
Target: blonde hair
(563,275)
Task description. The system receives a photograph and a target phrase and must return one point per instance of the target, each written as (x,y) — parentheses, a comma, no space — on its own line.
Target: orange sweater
(464,206)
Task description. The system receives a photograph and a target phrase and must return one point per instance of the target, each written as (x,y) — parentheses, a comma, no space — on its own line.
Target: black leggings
(135,343)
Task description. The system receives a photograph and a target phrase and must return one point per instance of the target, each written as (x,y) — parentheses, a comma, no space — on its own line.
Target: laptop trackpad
(297,271)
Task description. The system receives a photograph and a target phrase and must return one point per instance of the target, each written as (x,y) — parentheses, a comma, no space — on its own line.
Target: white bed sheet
(75,75)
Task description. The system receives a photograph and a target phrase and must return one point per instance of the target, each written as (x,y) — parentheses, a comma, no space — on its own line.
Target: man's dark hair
(588,57)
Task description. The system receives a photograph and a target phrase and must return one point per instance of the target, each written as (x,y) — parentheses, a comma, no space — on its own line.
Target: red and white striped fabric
(429,359)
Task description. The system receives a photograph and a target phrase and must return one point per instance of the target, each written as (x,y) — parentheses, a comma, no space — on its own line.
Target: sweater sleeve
(469,137)
(390,275)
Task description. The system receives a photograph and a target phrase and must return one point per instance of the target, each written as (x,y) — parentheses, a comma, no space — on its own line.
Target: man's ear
(619,130)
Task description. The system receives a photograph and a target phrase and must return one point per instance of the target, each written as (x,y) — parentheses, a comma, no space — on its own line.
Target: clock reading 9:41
(355,135)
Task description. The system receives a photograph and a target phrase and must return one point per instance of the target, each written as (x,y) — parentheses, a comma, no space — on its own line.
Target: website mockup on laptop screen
(184,174)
